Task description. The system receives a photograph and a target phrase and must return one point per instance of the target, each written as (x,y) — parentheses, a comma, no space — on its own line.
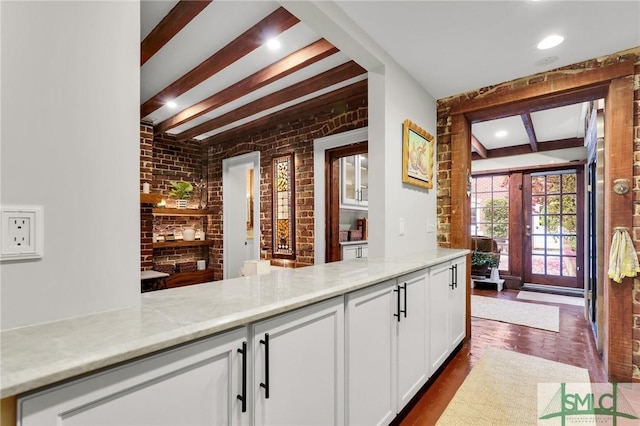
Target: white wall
(404,99)
(70,142)
(394,96)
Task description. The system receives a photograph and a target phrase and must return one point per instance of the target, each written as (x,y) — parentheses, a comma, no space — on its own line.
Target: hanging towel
(623,259)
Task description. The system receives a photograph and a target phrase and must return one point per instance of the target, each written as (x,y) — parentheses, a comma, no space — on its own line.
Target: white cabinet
(371,355)
(447,310)
(299,366)
(457,303)
(387,357)
(413,340)
(196,384)
(355,251)
(354,184)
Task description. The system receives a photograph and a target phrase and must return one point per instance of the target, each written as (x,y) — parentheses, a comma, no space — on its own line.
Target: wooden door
(553,231)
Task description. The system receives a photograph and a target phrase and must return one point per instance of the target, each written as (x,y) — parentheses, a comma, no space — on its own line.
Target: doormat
(552,298)
(502,389)
(521,313)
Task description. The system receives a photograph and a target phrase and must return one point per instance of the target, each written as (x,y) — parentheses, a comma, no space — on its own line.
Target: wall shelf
(150,198)
(181,243)
(188,278)
(163,211)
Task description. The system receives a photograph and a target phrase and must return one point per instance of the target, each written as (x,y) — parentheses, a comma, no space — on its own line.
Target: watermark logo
(588,403)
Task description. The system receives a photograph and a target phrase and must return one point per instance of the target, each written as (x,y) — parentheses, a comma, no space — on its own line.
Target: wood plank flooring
(574,345)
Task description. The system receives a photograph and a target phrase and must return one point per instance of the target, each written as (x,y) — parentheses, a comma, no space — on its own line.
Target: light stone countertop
(40,355)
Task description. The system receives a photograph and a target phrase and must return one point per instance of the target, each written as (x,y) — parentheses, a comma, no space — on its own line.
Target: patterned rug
(502,389)
(533,315)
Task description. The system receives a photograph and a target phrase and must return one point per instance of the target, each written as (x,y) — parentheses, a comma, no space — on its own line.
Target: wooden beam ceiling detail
(321,81)
(526,149)
(528,127)
(332,102)
(181,14)
(288,65)
(277,22)
(478,147)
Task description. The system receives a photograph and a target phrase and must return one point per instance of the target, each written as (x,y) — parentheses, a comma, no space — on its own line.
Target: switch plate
(402,226)
(22,232)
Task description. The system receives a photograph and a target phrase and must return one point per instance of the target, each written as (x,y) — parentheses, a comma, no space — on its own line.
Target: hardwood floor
(574,345)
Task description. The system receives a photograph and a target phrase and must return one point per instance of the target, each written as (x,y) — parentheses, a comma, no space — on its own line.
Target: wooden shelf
(163,211)
(150,198)
(181,243)
(188,278)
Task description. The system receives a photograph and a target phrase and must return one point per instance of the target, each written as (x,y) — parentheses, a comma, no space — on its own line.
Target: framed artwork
(417,155)
(284,215)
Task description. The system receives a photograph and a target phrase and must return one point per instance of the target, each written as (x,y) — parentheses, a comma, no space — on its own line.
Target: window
(490,212)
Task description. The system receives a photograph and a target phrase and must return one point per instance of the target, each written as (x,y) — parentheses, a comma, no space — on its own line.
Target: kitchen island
(42,355)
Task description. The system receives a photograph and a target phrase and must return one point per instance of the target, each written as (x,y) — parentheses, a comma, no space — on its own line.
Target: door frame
(321,145)
(614,83)
(249,159)
(333,176)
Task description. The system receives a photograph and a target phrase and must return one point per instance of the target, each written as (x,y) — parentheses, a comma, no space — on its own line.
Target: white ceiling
(453,47)
(449,47)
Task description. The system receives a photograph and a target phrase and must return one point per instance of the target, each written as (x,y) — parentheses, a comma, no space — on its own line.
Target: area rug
(502,389)
(552,298)
(533,315)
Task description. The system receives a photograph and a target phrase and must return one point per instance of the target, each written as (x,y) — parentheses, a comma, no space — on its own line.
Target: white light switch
(22,232)
(402,226)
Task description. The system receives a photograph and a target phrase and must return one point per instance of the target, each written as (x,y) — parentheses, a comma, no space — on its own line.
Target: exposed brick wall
(444,158)
(146,175)
(635,235)
(297,137)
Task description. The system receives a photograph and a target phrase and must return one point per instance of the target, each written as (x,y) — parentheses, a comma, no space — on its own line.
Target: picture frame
(417,155)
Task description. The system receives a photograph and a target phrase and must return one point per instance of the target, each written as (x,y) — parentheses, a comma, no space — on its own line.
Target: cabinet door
(457,302)
(413,368)
(299,366)
(439,280)
(363,180)
(370,355)
(196,384)
(349,252)
(348,185)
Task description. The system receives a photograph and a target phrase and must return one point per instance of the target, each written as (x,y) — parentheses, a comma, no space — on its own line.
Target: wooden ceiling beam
(329,103)
(478,147)
(288,65)
(274,24)
(177,18)
(526,148)
(531,132)
(321,81)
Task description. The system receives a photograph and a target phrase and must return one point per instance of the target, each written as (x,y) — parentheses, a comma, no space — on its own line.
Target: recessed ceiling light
(550,41)
(501,133)
(274,44)
(171,104)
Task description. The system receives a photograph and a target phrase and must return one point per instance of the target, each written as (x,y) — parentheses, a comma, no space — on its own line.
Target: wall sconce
(621,186)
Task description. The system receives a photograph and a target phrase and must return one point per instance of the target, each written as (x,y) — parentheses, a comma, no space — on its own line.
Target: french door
(553,231)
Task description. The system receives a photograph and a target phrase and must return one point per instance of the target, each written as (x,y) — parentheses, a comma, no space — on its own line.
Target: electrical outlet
(22,232)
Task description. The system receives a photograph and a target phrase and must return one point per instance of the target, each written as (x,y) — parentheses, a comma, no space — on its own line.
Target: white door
(236,239)
(299,367)
(413,368)
(197,384)
(439,336)
(370,355)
